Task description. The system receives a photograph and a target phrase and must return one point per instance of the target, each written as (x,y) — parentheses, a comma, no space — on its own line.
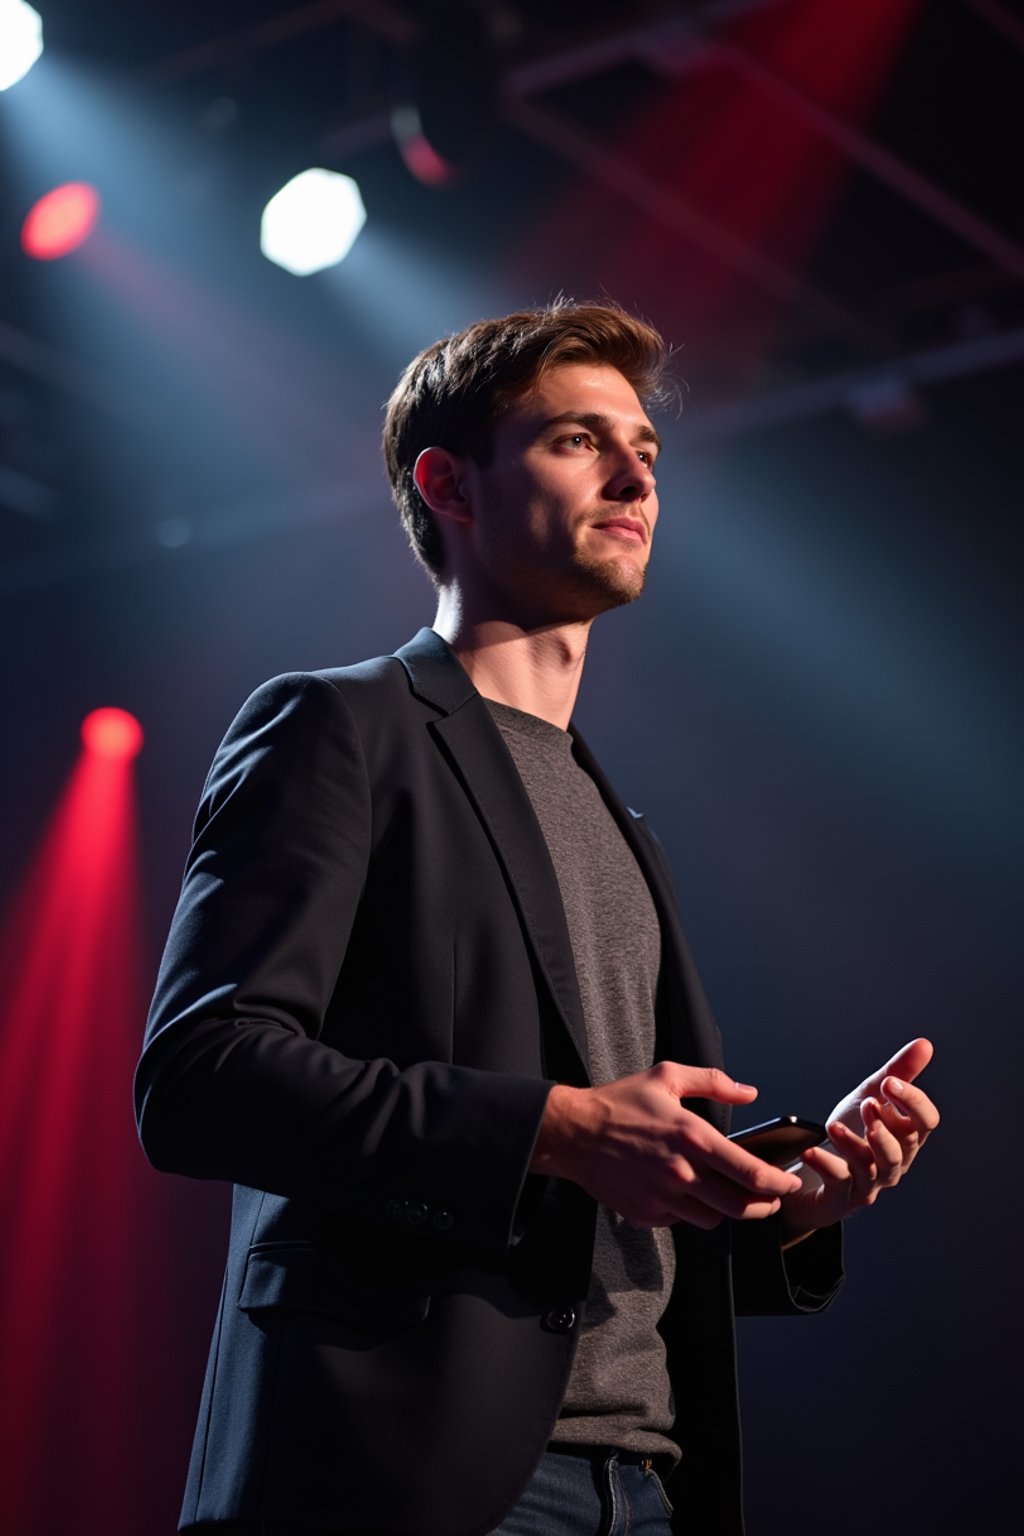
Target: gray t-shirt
(619,1394)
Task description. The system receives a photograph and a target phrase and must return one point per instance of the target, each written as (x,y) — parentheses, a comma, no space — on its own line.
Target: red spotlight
(61,221)
(94,1248)
(112,733)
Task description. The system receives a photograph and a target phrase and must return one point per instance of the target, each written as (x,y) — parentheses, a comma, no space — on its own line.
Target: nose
(632,481)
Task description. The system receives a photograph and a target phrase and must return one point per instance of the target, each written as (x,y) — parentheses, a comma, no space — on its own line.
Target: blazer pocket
(300,1278)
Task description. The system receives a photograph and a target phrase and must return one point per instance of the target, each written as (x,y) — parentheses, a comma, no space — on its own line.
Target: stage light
(312,222)
(112,733)
(448,92)
(92,1241)
(61,221)
(21,41)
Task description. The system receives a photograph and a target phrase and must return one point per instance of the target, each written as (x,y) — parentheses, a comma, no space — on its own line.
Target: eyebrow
(595,422)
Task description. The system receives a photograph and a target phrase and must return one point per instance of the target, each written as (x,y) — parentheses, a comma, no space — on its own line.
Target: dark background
(816,701)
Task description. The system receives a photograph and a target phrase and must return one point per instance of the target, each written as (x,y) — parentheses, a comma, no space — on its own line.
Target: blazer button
(559,1320)
(443,1220)
(416,1212)
(395,1210)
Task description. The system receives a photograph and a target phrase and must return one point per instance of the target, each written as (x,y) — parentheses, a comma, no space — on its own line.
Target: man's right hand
(634,1147)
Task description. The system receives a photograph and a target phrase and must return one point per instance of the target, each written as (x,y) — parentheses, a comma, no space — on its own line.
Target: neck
(534,669)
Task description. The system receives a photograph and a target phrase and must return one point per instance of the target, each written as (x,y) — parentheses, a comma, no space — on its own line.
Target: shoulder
(298,722)
(363,679)
(292,698)
(379,673)
(305,722)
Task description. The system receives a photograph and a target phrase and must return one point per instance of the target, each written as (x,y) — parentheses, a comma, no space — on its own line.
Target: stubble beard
(578,595)
(572,589)
(613,582)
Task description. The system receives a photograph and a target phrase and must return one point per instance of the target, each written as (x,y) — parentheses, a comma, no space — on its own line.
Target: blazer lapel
(477,751)
(686,1030)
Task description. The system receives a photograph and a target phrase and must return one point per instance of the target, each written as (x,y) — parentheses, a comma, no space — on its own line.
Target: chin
(617,581)
(578,594)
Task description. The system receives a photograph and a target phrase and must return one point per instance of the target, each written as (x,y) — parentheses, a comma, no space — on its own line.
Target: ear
(438,477)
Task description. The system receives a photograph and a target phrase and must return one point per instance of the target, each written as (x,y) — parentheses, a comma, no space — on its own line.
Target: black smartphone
(781,1141)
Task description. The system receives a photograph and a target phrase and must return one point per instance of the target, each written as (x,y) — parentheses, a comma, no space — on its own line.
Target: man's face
(565,510)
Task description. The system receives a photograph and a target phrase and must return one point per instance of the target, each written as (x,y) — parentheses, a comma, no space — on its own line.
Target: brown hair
(453,394)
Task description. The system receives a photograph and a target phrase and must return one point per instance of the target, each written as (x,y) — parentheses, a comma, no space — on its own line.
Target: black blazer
(367,991)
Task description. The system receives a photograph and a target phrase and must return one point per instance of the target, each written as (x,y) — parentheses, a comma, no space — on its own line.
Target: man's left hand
(874,1135)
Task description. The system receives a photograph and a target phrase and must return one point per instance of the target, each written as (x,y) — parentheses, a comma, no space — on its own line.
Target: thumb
(704,1083)
(911,1060)
(906,1064)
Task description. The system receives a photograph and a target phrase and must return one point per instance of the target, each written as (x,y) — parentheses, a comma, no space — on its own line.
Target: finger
(855,1150)
(912,1102)
(836,1174)
(703,1083)
(751,1173)
(891,1154)
(725,1197)
(855,1175)
(828,1165)
(899,1125)
(894,1116)
(758,1210)
(909,1061)
(699,1214)
(693,1211)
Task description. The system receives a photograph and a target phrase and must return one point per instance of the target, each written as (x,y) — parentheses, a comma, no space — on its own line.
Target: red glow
(88,1259)
(740,161)
(423,160)
(61,221)
(71,951)
(112,733)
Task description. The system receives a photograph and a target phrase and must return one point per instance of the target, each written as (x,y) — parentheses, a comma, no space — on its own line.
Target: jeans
(572,1495)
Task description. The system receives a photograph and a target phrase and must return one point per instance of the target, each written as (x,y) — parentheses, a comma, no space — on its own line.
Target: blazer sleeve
(234,1081)
(768,1279)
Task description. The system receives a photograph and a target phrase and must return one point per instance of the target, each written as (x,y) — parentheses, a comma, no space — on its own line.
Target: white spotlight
(312,222)
(21,40)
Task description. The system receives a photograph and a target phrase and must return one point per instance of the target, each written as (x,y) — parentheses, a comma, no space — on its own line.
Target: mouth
(629,529)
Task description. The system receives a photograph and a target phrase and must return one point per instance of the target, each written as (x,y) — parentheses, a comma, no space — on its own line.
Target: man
(483,1258)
